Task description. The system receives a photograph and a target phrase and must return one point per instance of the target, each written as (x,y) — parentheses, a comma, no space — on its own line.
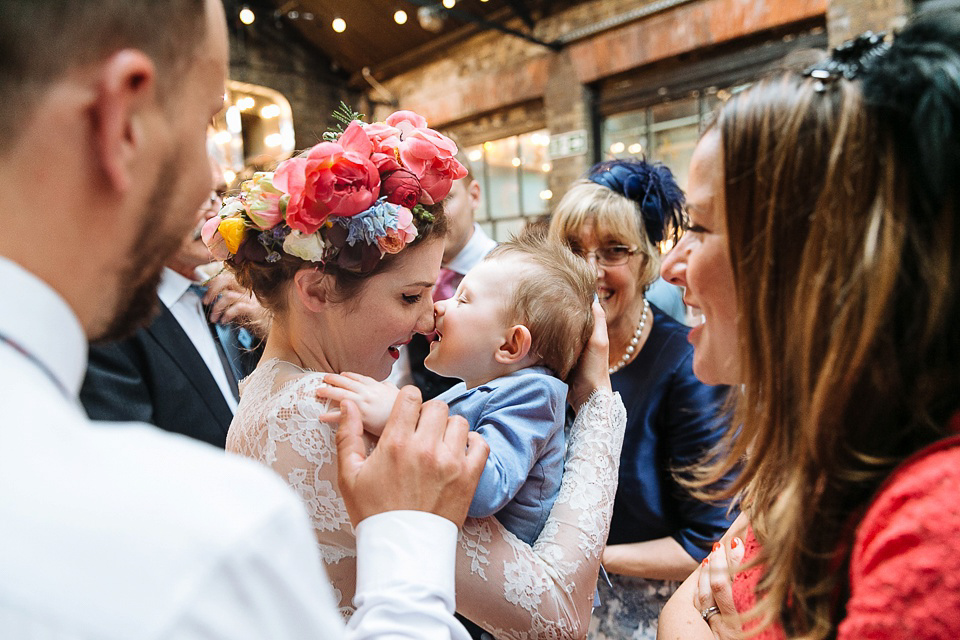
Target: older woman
(615,219)
(343,245)
(824,252)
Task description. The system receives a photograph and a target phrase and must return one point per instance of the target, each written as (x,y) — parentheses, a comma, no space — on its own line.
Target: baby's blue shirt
(521,417)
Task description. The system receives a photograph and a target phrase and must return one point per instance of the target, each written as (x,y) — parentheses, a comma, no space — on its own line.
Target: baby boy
(512,333)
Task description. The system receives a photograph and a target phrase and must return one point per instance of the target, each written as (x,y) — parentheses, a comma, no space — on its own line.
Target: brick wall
(280,59)
(847,18)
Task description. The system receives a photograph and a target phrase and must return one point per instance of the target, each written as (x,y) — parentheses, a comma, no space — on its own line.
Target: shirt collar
(496,383)
(43,325)
(473,252)
(172,287)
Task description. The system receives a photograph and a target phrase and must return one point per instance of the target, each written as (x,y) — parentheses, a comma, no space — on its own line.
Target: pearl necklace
(633,341)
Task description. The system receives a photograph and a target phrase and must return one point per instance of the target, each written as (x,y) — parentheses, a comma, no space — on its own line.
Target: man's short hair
(552,297)
(40,40)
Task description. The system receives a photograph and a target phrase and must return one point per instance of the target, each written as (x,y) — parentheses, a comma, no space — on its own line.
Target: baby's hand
(374,399)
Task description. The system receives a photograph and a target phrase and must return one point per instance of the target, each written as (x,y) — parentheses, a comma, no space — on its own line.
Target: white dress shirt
(476,249)
(120,533)
(187,307)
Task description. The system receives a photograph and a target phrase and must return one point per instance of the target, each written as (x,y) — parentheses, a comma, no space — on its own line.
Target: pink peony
(406,121)
(430,156)
(405,227)
(332,180)
(384,138)
(385,163)
(401,187)
(355,139)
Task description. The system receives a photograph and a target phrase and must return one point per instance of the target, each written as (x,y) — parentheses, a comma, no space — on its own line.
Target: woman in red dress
(824,252)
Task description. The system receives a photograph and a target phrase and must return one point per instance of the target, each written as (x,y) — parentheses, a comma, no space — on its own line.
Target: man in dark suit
(180,373)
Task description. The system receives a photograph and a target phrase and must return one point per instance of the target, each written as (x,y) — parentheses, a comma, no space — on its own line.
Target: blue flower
(370,225)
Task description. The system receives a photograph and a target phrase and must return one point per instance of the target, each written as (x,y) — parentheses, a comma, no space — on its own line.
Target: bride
(343,244)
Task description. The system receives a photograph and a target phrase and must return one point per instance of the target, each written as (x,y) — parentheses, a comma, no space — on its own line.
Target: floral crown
(348,201)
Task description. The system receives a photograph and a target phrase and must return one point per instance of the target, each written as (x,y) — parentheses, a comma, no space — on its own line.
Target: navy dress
(673,419)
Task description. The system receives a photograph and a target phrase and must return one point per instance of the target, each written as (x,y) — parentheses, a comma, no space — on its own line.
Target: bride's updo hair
(347,206)
(268,280)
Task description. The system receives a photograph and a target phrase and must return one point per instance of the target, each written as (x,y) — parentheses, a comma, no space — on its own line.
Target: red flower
(401,187)
(430,156)
(334,179)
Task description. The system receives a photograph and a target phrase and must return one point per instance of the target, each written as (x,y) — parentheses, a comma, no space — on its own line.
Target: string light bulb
(247,16)
(339,25)
(449,4)
(400,17)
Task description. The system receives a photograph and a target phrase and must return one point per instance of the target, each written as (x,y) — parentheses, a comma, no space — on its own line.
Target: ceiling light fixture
(430,18)
(400,17)
(339,25)
(449,4)
(247,16)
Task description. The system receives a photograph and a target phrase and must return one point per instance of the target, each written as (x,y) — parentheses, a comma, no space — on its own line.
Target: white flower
(307,247)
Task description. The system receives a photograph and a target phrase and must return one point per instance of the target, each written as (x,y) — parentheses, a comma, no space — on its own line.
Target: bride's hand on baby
(425,460)
(374,399)
(591,371)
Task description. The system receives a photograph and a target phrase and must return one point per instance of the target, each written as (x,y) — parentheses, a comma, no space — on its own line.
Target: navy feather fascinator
(659,198)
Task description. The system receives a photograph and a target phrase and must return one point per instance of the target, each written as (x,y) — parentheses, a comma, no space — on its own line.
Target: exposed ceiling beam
(523,12)
(466,16)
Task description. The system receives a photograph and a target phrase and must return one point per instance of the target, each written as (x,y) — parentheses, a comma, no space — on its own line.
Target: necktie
(446,284)
(227,343)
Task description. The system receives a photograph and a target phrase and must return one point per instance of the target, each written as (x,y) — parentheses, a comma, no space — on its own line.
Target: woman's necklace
(632,347)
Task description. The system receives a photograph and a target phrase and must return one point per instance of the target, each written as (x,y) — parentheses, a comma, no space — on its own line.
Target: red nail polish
(705,562)
(716,545)
(735,543)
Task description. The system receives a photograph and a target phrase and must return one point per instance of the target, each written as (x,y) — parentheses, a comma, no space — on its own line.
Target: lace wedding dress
(511,589)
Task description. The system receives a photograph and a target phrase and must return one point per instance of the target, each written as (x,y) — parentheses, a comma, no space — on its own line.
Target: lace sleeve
(279,427)
(518,592)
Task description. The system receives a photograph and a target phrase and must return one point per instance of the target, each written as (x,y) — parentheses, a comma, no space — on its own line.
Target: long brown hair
(845,263)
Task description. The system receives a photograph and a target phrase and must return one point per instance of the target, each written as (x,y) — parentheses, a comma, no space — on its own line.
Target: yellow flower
(232,230)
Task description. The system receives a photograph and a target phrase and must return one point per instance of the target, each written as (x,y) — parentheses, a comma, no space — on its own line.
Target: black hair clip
(849,60)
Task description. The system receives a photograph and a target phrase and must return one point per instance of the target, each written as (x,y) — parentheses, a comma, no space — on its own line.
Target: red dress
(905,565)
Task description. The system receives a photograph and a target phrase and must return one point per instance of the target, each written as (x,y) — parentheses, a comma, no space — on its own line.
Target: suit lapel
(173,340)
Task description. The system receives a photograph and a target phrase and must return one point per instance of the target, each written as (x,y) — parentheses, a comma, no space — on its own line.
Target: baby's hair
(553,293)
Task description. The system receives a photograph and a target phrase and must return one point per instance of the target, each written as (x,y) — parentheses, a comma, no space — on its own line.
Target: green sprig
(420,213)
(344,115)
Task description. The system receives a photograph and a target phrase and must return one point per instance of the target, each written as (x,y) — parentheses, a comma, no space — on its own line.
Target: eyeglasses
(213,201)
(612,256)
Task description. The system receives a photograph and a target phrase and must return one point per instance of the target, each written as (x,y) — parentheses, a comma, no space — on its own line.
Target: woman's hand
(714,594)
(374,399)
(591,372)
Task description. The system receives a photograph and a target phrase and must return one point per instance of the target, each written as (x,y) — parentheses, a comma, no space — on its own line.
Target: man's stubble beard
(137,301)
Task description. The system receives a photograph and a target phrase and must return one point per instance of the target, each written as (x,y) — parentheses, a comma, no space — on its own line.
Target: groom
(103,532)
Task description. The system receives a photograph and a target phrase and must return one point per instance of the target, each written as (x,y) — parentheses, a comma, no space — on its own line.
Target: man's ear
(125,85)
(311,287)
(516,345)
(473,190)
